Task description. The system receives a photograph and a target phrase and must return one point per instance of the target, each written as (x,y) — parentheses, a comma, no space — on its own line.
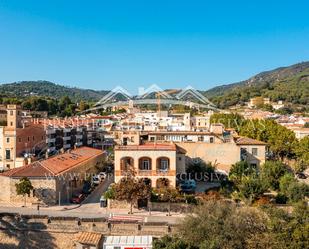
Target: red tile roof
(159,147)
(55,165)
(88,238)
(248,141)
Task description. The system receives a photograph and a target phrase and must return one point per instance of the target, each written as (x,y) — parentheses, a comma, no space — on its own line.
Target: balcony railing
(50,140)
(67,146)
(79,136)
(66,138)
(144,172)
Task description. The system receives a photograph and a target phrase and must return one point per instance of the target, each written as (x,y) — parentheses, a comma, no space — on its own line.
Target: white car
(96,180)
(101,176)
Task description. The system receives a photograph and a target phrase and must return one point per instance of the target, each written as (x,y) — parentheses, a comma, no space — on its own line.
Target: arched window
(126,163)
(163,164)
(144,163)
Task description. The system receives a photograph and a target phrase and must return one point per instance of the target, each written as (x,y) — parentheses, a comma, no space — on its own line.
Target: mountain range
(290,84)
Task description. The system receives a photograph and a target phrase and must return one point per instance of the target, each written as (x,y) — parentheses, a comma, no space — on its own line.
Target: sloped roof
(55,165)
(88,238)
(248,141)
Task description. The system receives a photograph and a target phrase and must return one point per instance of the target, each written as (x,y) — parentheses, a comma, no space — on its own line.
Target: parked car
(78,199)
(96,180)
(87,188)
(188,186)
(101,176)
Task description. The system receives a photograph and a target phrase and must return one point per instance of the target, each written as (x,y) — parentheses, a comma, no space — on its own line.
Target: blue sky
(102,44)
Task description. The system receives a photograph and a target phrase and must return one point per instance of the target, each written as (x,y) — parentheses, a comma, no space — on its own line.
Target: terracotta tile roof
(65,161)
(159,147)
(55,165)
(248,141)
(32,170)
(11,171)
(88,238)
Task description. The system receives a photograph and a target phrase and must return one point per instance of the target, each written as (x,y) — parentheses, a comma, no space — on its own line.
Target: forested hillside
(48,89)
(290,84)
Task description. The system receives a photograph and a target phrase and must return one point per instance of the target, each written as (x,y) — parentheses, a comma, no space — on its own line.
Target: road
(95,196)
(90,208)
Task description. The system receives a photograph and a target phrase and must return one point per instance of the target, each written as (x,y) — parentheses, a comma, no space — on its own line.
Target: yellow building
(154,162)
(18,138)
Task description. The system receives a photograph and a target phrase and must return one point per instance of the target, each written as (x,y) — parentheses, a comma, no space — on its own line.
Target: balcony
(79,136)
(66,138)
(50,140)
(79,129)
(67,146)
(144,173)
(79,144)
(65,130)
(50,131)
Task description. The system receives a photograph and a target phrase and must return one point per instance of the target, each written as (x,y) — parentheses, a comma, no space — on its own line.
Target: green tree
(297,191)
(131,189)
(285,182)
(168,194)
(271,171)
(232,120)
(220,224)
(301,150)
(240,170)
(251,188)
(281,140)
(24,187)
(168,242)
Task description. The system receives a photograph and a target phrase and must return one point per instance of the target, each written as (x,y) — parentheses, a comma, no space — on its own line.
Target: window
(11,123)
(19,139)
(28,139)
(254,151)
(33,138)
(211,140)
(8,166)
(146,164)
(164,164)
(7,139)
(7,154)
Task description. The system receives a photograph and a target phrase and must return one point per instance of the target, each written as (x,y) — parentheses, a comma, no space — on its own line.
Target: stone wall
(154,206)
(72,224)
(174,207)
(5,189)
(44,188)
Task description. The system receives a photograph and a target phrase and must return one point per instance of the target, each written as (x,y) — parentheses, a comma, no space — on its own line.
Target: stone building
(55,179)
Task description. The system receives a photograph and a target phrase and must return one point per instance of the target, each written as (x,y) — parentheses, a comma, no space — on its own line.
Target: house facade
(155,163)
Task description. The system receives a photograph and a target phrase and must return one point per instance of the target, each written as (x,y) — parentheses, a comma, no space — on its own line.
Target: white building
(127,242)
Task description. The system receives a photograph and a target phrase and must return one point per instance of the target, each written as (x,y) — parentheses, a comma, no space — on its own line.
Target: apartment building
(218,146)
(156,163)
(75,132)
(20,139)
